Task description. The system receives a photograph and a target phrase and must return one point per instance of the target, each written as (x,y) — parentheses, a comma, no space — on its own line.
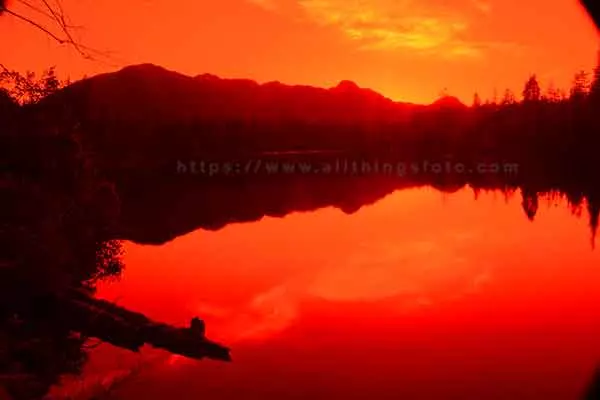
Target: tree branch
(53,11)
(35,24)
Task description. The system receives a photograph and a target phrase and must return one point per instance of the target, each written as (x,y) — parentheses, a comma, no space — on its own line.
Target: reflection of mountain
(169,208)
(140,121)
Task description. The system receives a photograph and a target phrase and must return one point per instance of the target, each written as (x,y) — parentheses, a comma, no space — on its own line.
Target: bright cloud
(428,26)
(266,4)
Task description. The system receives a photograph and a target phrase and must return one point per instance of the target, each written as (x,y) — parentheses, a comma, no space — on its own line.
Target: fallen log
(131,330)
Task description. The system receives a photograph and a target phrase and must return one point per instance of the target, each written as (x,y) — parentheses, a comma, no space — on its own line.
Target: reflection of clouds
(407,274)
(416,269)
(100,384)
(480,281)
(205,308)
(274,310)
(264,315)
(368,274)
(359,283)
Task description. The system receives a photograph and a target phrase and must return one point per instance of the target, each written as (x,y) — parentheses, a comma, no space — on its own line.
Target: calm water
(420,296)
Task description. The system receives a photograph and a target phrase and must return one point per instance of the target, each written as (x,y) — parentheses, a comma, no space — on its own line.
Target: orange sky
(407,50)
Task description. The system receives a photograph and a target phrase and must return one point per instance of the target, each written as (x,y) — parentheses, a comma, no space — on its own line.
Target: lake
(421,295)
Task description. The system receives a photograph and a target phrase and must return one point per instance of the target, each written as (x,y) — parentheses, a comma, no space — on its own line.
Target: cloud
(483,6)
(270,5)
(431,27)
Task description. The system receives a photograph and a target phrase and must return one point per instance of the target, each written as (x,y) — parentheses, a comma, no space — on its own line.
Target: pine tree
(581,86)
(508,97)
(552,94)
(595,84)
(531,91)
(476,100)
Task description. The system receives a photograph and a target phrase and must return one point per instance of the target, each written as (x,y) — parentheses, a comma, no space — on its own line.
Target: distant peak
(347,85)
(207,76)
(448,101)
(143,67)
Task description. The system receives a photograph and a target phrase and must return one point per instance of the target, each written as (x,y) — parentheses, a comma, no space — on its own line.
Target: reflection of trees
(35,353)
(58,215)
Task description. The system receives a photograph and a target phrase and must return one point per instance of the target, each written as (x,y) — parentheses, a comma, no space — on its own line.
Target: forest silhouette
(94,162)
(142,122)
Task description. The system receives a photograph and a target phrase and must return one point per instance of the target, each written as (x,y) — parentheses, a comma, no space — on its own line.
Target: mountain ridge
(147,90)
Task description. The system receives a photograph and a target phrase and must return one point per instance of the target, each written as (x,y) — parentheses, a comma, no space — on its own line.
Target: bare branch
(60,20)
(34,8)
(35,24)
(54,12)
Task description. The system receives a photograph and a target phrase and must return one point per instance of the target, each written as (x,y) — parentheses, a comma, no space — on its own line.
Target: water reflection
(419,296)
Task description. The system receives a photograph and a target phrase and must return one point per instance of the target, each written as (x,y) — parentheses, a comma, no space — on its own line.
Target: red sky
(406,49)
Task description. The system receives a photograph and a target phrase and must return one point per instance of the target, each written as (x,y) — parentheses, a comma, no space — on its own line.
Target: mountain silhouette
(154,94)
(449,102)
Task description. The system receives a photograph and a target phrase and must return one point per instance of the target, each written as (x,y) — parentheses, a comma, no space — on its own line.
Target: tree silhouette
(508,97)
(552,94)
(595,84)
(581,86)
(476,100)
(57,237)
(26,89)
(531,91)
(495,97)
